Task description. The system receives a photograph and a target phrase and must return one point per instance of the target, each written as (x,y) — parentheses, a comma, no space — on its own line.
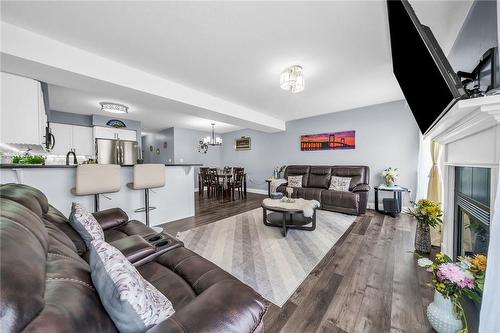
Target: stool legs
(96,203)
(146,205)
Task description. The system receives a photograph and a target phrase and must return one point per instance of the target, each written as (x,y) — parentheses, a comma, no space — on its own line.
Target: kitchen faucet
(71,152)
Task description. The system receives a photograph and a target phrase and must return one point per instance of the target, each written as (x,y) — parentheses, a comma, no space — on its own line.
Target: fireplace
(472,211)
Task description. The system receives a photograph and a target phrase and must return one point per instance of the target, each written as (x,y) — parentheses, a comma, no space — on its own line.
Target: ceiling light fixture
(211,140)
(113,107)
(292,79)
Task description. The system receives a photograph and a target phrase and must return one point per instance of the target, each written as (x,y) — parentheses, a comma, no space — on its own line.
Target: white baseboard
(256,190)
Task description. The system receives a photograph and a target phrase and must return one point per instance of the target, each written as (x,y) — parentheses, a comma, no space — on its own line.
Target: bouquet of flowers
(390,175)
(427,211)
(464,278)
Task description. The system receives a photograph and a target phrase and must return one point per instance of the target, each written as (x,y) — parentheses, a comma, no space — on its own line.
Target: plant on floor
(28,159)
(390,175)
(428,214)
(453,280)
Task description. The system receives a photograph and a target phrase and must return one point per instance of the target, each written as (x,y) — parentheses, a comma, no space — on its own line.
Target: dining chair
(203,181)
(237,183)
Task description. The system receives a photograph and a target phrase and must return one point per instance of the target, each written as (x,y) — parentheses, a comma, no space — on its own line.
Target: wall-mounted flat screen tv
(425,76)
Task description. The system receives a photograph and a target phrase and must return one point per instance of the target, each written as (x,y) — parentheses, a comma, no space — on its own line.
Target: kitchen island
(174,201)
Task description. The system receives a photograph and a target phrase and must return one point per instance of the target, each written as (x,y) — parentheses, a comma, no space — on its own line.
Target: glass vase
(423,238)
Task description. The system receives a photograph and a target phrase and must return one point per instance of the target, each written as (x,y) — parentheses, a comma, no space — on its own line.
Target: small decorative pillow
(133,303)
(340,184)
(85,224)
(295,181)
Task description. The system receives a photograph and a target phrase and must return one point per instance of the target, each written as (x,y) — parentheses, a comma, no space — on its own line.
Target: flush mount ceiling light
(292,79)
(113,107)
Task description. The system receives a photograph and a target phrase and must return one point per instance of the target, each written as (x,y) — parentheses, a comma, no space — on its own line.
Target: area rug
(260,256)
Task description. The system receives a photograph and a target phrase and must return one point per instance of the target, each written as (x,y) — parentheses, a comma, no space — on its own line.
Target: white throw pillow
(132,302)
(295,181)
(340,184)
(85,224)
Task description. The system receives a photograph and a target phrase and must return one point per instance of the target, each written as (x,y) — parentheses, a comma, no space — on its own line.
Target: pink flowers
(450,272)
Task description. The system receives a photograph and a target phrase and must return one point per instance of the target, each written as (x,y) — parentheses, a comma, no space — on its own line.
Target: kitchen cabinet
(22,114)
(114,133)
(72,137)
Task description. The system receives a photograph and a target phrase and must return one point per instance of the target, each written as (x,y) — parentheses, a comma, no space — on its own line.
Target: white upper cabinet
(114,133)
(83,140)
(23,115)
(72,137)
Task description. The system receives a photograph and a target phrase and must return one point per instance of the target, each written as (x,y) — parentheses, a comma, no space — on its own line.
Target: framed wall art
(328,141)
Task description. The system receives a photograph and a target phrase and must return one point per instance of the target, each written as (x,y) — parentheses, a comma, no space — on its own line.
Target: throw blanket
(277,182)
(307,206)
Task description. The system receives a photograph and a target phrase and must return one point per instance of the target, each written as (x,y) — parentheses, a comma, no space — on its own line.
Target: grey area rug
(260,256)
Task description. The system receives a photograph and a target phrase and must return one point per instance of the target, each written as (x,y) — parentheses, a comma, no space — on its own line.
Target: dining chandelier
(292,79)
(207,141)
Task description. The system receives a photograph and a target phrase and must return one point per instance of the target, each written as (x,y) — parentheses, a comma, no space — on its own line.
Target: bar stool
(146,177)
(95,179)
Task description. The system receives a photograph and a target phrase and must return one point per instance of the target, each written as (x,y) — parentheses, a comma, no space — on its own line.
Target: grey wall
(156,140)
(186,149)
(386,135)
(478,34)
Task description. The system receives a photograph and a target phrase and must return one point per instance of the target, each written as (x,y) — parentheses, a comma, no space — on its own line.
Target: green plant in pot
(428,214)
(28,159)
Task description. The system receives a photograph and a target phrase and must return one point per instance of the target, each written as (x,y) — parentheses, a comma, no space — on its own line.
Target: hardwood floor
(368,282)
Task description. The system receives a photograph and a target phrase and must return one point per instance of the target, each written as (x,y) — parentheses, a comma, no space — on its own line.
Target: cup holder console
(163,243)
(155,238)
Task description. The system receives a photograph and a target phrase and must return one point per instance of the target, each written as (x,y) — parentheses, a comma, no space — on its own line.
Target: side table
(397,198)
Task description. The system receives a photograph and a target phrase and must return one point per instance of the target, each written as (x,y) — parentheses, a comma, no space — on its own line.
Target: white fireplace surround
(470,134)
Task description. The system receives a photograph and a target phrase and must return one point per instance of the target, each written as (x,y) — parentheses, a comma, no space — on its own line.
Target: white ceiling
(236,50)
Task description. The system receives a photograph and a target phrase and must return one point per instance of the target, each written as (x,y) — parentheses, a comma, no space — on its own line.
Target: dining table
(225,179)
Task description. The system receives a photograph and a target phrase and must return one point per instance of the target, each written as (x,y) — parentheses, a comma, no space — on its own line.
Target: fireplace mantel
(466,118)
(470,135)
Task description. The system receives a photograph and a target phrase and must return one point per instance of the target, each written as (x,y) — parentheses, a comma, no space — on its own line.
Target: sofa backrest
(298,170)
(45,285)
(319,176)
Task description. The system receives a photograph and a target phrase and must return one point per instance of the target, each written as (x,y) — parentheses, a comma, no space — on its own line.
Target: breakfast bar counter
(174,201)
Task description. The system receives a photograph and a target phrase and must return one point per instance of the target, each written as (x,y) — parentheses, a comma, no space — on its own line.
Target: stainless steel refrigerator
(117,152)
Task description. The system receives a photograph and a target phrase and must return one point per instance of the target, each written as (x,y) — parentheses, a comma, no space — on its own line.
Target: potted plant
(428,214)
(453,280)
(28,159)
(390,175)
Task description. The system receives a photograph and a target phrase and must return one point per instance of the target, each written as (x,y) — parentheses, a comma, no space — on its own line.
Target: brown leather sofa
(46,284)
(316,181)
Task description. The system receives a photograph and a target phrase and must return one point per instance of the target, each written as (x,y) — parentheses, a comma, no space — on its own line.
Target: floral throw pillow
(295,181)
(340,184)
(85,224)
(133,303)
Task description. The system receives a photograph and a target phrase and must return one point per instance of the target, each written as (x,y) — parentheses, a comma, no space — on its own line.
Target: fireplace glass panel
(474,235)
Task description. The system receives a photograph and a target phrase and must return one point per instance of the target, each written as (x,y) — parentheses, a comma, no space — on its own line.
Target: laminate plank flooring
(368,282)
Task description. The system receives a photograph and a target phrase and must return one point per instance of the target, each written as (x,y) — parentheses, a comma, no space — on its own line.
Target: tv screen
(424,74)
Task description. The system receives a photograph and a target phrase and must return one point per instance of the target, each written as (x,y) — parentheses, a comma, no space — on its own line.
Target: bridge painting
(328,141)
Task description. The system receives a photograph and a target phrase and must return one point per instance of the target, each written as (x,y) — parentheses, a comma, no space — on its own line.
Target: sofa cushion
(85,224)
(340,183)
(319,176)
(339,199)
(295,181)
(298,170)
(133,303)
(358,174)
(308,193)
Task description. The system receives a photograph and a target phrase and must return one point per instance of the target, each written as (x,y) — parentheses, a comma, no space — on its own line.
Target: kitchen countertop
(54,166)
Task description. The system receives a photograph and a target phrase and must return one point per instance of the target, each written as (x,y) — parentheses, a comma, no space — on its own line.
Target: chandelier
(211,140)
(113,107)
(292,79)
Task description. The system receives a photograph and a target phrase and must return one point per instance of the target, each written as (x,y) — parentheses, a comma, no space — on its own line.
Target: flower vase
(389,183)
(423,238)
(442,316)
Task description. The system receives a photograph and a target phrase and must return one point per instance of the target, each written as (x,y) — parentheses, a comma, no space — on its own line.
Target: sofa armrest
(228,306)
(111,218)
(361,188)
(134,248)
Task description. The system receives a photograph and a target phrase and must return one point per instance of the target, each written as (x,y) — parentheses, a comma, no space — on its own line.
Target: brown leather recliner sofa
(316,181)
(46,284)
